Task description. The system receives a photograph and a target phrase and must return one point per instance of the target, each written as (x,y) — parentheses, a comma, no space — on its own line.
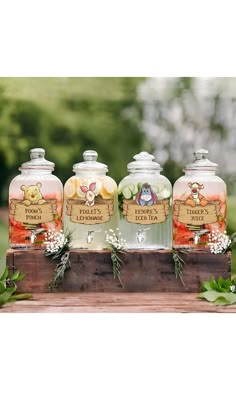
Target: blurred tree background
(67,116)
(118,117)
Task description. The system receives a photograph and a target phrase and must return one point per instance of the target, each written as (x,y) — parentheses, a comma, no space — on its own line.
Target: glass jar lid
(143,161)
(90,163)
(201,162)
(38,161)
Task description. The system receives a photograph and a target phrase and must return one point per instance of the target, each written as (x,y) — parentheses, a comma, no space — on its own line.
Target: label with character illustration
(145,207)
(90,209)
(33,209)
(196,209)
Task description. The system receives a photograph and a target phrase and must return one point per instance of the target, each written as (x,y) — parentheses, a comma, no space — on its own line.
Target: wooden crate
(143,271)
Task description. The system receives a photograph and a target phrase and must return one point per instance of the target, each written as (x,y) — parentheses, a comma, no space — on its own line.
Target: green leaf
(5,274)
(15,275)
(22,296)
(218,298)
(2,287)
(20,277)
(4,297)
(205,286)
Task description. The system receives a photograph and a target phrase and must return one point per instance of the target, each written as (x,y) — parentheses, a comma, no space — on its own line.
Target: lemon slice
(108,188)
(70,188)
(109,185)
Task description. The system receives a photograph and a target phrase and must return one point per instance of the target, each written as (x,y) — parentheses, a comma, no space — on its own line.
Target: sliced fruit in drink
(108,188)
(164,194)
(70,188)
(155,188)
(127,193)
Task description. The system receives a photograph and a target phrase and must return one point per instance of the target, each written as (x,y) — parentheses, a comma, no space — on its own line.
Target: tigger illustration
(195,198)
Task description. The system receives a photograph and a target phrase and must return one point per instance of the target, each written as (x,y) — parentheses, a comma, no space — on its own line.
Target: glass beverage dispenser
(90,206)
(199,203)
(144,205)
(35,202)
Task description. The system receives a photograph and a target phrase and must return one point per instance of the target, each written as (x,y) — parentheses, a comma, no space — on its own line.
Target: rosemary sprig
(57,247)
(116,264)
(117,245)
(60,270)
(179,266)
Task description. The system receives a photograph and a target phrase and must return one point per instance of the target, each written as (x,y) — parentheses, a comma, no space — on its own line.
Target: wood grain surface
(114,302)
(143,271)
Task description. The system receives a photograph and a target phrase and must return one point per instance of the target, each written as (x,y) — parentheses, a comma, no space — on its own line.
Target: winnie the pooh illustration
(32,194)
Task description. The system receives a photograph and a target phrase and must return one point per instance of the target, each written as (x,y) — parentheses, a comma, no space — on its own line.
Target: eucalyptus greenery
(8,287)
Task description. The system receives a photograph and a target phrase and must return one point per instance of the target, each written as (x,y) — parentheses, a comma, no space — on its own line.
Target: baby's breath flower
(113,239)
(55,241)
(218,242)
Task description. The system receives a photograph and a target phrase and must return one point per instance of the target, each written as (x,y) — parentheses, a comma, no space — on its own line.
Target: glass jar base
(154,247)
(25,247)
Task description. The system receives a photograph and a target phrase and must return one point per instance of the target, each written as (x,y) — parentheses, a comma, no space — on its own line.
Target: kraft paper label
(100,212)
(197,215)
(33,213)
(154,214)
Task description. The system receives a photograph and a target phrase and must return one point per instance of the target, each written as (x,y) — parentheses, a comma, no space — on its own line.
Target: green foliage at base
(8,287)
(221,292)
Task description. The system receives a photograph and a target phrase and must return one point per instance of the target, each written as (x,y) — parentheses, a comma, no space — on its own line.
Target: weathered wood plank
(114,302)
(143,271)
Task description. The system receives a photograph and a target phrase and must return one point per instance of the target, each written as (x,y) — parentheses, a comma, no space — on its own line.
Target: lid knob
(90,155)
(143,156)
(143,161)
(201,154)
(37,153)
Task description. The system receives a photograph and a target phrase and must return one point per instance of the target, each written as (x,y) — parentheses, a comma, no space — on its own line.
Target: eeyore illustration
(146,196)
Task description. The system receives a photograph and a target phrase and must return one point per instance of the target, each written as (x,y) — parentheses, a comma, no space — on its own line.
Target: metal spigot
(32,236)
(196,238)
(89,237)
(140,234)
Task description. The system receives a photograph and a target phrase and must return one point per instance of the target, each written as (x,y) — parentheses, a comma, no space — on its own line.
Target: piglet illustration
(89,193)
(146,196)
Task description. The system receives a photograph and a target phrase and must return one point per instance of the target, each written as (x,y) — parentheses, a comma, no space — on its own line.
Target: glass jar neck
(36,171)
(200,172)
(89,173)
(144,171)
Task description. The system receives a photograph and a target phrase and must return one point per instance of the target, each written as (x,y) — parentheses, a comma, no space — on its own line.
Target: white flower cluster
(115,240)
(55,241)
(218,242)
